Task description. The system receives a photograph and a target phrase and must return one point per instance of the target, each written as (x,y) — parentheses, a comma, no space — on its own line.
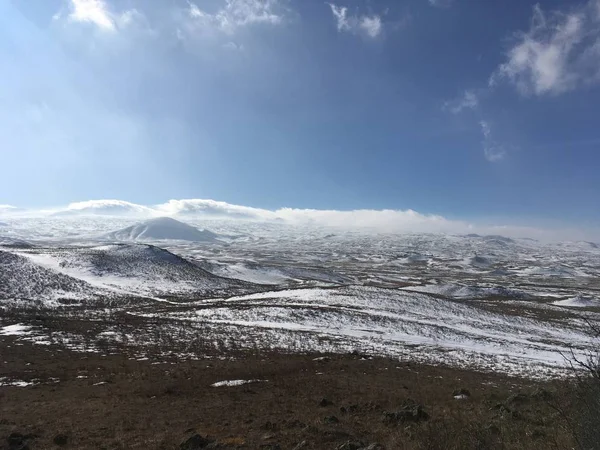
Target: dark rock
(373,446)
(195,442)
(331,419)
(493,429)
(351,445)
(352,408)
(410,411)
(537,434)
(17,441)
(61,439)
(270,447)
(325,402)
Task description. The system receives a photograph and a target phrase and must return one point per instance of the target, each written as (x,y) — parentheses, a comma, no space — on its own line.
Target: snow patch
(15,330)
(235,382)
(16,383)
(579,301)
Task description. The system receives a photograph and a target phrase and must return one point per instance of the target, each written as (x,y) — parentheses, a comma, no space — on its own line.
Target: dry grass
(156,403)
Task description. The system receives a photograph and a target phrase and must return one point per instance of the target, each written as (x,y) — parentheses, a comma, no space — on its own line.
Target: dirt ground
(111,401)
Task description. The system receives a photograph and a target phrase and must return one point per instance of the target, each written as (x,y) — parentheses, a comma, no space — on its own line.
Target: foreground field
(55,397)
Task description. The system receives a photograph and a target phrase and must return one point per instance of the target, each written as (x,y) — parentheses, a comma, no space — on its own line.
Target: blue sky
(467,109)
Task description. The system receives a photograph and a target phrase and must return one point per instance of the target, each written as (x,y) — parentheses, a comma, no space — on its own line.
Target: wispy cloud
(559,53)
(368,25)
(492,150)
(468,100)
(238,13)
(440,3)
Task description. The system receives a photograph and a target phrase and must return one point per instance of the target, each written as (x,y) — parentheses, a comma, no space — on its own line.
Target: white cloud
(237,13)
(97,13)
(367,220)
(340,13)
(383,220)
(92,11)
(378,220)
(213,208)
(7,211)
(370,26)
(105,207)
(559,53)
(485,129)
(469,100)
(492,150)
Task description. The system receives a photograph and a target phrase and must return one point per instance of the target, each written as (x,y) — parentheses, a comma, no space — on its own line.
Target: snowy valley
(486,302)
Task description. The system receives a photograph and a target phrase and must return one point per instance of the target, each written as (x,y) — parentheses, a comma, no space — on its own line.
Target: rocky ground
(53,397)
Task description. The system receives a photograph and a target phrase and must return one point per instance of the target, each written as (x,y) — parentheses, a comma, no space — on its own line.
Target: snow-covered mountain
(162,228)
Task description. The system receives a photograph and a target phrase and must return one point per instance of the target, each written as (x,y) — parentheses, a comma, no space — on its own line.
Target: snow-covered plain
(490,302)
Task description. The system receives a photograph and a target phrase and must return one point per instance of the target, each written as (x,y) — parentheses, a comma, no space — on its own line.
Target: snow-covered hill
(12,242)
(162,228)
(22,280)
(132,270)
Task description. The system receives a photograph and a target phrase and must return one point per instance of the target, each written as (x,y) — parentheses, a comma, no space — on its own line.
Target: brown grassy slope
(157,404)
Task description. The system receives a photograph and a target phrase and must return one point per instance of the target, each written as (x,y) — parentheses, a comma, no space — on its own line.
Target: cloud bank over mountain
(382,220)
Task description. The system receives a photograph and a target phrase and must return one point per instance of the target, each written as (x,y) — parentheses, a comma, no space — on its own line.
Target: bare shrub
(583,415)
